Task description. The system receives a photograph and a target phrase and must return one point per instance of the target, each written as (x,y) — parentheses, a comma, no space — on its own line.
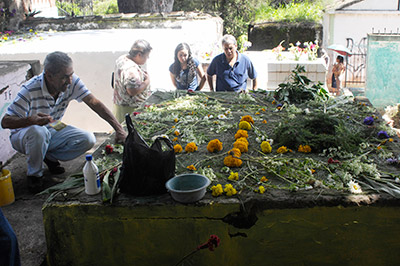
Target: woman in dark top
(185,69)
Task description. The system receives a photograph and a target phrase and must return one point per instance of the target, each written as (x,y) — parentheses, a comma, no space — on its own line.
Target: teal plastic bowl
(187,188)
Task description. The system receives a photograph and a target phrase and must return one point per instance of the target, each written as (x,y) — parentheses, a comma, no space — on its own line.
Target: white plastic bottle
(91,176)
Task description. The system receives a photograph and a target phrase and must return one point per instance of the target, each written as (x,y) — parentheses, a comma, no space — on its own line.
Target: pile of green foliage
(300,88)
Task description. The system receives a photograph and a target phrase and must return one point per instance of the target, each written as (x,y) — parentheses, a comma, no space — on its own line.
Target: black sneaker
(54,167)
(35,183)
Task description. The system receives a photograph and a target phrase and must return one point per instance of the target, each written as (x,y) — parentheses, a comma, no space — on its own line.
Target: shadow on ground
(25,214)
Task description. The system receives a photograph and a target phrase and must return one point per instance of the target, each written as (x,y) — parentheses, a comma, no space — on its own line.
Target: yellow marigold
(264,179)
(244,125)
(379,147)
(217,190)
(390,140)
(191,147)
(230,190)
(214,145)
(282,149)
(235,152)
(261,189)
(176,132)
(173,126)
(263,109)
(264,121)
(176,120)
(242,139)
(273,102)
(234,176)
(241,134)
(257,113)
(266,147)
(247,118)
(312,171)
(304,148)
(178,148)
(191,167)
(241,145)
(231,161)
(175,139)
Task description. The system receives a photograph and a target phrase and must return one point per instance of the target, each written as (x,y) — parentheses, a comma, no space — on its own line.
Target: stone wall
(268,35)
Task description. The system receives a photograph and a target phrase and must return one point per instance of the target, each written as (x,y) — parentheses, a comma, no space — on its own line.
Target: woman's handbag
(145,169)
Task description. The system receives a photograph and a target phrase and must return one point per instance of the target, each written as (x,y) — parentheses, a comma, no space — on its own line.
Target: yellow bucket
(6,188)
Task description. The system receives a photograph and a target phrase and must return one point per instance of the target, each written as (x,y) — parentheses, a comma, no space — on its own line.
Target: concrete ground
(25,214)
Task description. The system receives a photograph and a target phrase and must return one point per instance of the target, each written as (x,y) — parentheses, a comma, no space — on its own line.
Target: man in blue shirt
(231,68)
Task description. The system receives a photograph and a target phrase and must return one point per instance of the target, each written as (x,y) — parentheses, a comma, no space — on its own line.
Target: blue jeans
(38,142)
(9,252)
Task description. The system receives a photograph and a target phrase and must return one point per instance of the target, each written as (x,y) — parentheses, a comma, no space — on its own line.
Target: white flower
(306,111)
(271,141)
(228,112)
(258,140)
(354,187)
(206,117)
(298,43)
(222,116)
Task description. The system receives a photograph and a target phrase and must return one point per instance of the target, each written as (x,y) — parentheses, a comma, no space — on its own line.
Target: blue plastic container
(187,188)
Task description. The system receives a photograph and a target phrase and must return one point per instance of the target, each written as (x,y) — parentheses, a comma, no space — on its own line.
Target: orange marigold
(247,118)
(282,149)
(241,145)
(178,148)
(304,148)
(231,161)
(241,134)
(191,167)
(235,152)
(214,145)
(191,147)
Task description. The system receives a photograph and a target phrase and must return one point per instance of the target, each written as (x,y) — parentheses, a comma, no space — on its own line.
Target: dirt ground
(25,214)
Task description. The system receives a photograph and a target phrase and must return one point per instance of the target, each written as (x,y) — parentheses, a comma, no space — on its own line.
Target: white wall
(375,5)
(357,24)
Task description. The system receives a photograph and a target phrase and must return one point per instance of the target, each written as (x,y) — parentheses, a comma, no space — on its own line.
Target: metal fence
(355,75)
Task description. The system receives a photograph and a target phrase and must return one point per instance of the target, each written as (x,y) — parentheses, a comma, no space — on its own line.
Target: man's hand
(41,119)
(120,137)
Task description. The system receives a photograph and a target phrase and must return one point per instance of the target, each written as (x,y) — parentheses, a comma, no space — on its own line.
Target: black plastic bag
(145,169)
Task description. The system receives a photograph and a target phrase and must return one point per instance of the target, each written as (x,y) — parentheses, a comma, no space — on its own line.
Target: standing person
(131,82)
(34,119)
(185,68)
(337,70)
(231,68)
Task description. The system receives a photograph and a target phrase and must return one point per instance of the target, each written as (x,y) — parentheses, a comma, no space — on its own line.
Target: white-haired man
(40,103)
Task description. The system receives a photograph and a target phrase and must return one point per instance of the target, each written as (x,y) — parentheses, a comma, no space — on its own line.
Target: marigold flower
(304,148)
(176,120)
(191,147)
(230,190)
(244,125)
(282,149)
(217,190)
(263,109)
(241,134)
(175,139)
(234,176)
(173,126)
(390,140)
(191,167)
(231,161)
(235,152)
(257,113)
(266,147)
(263,179)
(176,132)
(273,102)
(264,121)
(379,147)
(214,145)
(312,171)
(247,118)
(261,189)
(178,148)
(241,145)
